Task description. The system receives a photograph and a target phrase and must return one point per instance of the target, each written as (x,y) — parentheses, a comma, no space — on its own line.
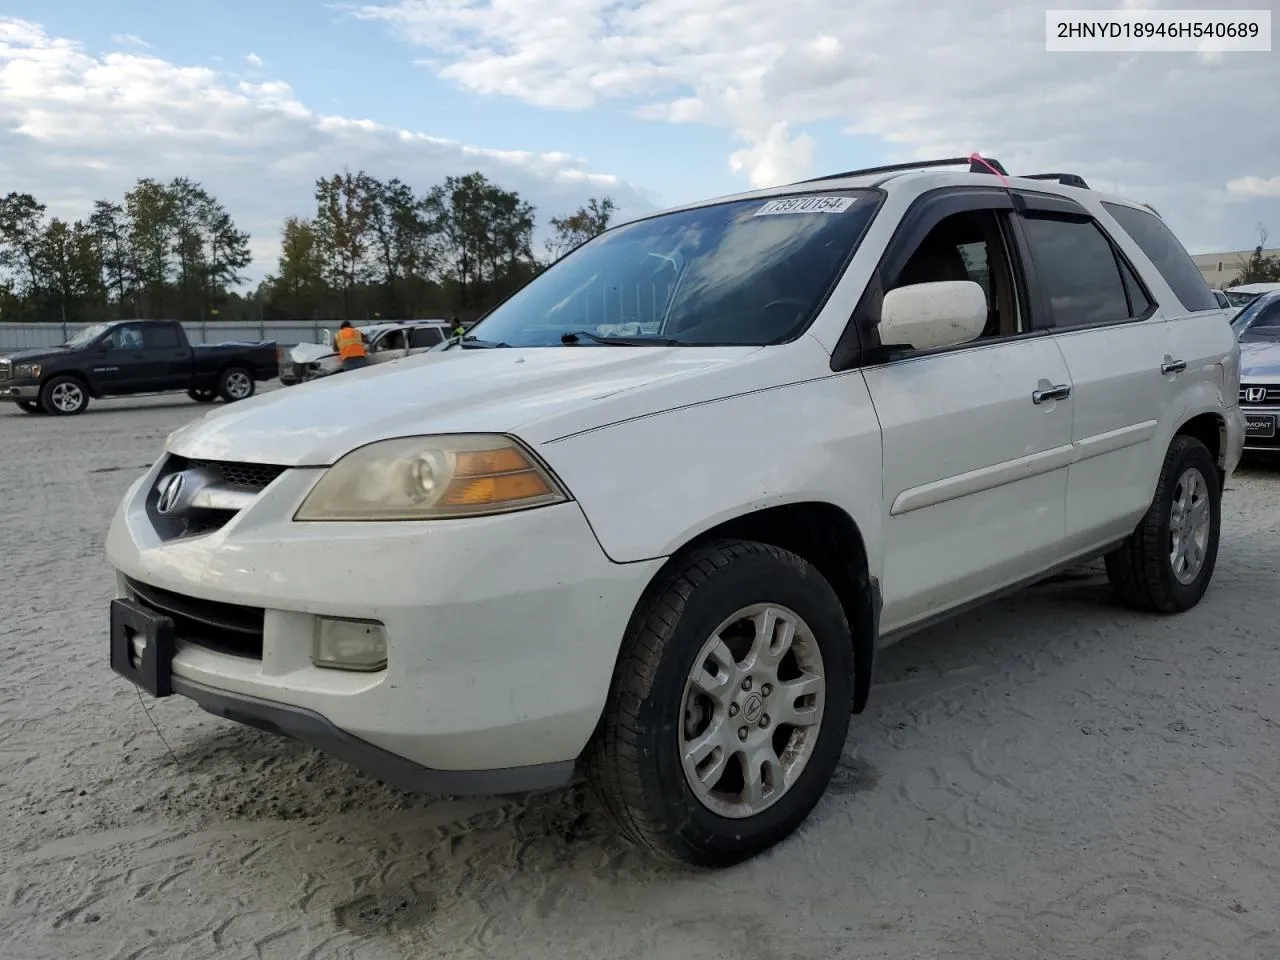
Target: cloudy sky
(653,102)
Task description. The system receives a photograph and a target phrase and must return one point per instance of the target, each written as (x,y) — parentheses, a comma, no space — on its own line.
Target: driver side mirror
(926,316)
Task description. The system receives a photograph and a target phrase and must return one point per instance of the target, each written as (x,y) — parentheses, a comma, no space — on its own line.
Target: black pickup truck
(130,357)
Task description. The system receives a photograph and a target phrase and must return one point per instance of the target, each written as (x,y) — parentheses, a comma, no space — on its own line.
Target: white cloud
(129,40)
(253,60)
(918,78)
(76,127)
(1249,187)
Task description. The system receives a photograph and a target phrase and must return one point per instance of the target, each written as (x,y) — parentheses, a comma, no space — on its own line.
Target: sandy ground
(1049,777)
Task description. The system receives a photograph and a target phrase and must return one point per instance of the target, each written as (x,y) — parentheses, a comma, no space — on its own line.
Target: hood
(1260,361)
(541,393)
(31,356)
(310,352)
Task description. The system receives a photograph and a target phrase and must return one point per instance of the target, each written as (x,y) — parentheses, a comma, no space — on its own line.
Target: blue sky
(655,102)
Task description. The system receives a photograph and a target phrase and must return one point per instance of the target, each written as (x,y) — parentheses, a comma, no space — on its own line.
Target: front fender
(650,485)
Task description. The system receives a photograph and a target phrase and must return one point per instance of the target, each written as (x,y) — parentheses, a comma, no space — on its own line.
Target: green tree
(21,229)
(577,228)
(341,228)
(153,230)
(71,265)
(298,289)
(1258,268)
(110,231)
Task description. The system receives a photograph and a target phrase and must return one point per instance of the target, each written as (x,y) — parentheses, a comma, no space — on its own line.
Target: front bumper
(1261,428)
(502,633)
(20,391)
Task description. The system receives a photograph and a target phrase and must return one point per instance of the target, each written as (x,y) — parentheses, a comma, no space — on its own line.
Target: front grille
(1271,393)
(255,475)
(222,627)
(6,371)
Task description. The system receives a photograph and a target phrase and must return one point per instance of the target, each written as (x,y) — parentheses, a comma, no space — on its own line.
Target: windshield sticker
(805,205)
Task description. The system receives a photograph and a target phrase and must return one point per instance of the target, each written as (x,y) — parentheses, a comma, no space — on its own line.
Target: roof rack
(974,167)
(1066,179)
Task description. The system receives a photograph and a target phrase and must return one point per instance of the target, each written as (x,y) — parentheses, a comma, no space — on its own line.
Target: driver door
(387,347)
(124,364)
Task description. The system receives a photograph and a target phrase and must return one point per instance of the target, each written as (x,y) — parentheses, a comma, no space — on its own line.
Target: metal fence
(24,336)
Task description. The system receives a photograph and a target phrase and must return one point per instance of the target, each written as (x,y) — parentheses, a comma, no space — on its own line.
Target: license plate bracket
(1260,425)
(152,668)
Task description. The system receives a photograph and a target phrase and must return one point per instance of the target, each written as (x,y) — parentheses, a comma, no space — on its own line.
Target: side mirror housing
(926,316)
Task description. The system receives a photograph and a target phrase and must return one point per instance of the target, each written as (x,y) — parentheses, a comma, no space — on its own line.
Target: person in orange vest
(350,344)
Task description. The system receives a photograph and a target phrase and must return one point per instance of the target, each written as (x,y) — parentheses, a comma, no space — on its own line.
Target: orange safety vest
(349,343)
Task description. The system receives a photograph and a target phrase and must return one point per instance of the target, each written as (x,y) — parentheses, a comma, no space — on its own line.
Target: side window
(160,337)
(969,246)
(1140,304)
(1169,256)
(424,337)
(1078,272)
(126,337)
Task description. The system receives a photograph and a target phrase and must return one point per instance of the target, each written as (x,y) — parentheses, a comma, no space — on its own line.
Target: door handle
(1172,366)
(1059,392)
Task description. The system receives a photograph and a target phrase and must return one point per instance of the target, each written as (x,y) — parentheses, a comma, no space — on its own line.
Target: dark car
(130,357)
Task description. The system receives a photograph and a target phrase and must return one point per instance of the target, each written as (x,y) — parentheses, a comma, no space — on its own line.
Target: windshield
(87,335)
(750,272)
(1260,321)
(1240,299)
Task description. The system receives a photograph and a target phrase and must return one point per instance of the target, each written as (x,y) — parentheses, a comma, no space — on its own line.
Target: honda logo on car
(1255,394)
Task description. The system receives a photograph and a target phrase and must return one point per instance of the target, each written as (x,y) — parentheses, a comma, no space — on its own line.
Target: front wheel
(203,395)
(1167,562)
(235,384)
(729,708)
(64,396)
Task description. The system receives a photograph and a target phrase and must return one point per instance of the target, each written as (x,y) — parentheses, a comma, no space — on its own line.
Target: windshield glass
(87,335)
(1260,321)
(750,272)
(1240,299)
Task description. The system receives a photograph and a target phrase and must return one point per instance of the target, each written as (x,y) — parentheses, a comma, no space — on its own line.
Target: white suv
(657,514)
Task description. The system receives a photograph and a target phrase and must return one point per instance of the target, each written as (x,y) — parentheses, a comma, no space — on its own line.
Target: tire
(1142,571)
(236,383)
(30,406)
(203,396)
(635,761)
(64,396)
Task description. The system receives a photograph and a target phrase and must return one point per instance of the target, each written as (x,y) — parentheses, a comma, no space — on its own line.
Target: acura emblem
(170,492)
(1255,394)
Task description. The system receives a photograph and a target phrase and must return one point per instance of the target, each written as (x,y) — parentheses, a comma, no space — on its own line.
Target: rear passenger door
(1116,345)
(977,437)
(422,339)
(168,349)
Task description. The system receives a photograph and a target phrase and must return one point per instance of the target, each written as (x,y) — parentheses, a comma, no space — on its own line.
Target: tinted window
(747,272)
(1078,272)
(424,337)
(1139,303)
(1258,321)
(1163,249)
(160,337)
(126,338)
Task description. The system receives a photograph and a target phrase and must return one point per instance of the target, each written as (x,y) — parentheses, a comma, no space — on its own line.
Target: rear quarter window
(1162,248)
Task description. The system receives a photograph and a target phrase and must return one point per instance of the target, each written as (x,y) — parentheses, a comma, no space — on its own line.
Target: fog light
(349,644)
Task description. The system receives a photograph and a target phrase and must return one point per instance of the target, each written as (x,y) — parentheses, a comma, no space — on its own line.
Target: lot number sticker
(805,205)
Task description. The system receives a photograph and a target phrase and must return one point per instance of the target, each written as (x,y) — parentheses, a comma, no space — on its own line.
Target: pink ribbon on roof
(977,158)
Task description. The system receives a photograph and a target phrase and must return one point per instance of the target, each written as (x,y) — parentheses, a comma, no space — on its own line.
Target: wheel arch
(78,375)
(826,536)
(1211,430)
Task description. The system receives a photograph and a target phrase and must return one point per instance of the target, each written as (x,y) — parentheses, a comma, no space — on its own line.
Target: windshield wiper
(573,339)
(471,343)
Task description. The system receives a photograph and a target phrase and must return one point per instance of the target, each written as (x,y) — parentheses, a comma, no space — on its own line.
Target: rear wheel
(1167,562)
(730,705)
(64,396)
(30,406)
(235,384)
(203,395)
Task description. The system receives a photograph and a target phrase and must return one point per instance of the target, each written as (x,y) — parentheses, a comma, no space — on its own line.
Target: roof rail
(1066,179)
(973,166)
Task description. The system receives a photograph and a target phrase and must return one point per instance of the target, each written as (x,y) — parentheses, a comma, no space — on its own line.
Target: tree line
(370,249)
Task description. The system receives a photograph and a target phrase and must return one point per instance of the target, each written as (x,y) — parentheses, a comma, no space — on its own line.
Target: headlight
(431,478)
(27,371)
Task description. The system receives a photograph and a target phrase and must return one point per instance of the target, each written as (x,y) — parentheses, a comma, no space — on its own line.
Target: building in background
(1221,269)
